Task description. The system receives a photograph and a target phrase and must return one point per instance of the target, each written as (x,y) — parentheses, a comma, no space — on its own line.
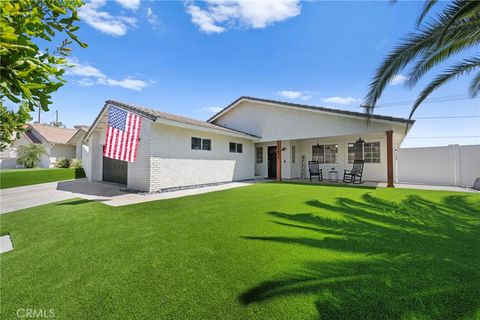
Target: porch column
(390,159)
(279,160)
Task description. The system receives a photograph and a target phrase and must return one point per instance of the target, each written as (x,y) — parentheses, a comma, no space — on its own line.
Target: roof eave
(308,108)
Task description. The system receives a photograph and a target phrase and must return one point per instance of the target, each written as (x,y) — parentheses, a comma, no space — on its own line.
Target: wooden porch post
(390,159)
(279,160)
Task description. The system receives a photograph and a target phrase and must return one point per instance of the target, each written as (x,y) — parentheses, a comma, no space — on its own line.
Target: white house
(249,139)
(58,142)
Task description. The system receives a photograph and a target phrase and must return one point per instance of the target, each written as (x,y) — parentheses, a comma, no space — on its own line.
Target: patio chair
(354,175)
(315,171)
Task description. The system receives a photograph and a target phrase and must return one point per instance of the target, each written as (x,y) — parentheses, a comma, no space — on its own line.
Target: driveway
(111,194)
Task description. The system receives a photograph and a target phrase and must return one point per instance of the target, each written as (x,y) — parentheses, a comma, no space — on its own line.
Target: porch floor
(377,184)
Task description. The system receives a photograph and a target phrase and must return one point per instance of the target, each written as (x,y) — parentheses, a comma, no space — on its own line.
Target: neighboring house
(250,138)
(58,142)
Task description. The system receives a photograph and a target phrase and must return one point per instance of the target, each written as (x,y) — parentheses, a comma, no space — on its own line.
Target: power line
(456,97)
(446,117)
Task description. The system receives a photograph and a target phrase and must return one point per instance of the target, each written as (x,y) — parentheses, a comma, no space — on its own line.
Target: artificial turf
(10,178)
(268,251)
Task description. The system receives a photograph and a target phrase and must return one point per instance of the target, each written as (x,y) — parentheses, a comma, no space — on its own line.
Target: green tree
(29,155)
(451,32)
(31,66)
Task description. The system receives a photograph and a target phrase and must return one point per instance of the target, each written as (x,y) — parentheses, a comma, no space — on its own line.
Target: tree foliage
(29,155)
(31,66)
(450,33)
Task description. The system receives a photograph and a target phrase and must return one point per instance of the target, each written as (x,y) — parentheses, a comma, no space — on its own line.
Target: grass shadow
(421,259)
(327,184)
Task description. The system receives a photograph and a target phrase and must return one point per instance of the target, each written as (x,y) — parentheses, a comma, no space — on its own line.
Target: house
(58,142)
(250,138)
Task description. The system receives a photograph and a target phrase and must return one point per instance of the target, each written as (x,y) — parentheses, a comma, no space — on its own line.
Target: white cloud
(103,21)
(217,16)
(129,4)
(212,109)
(152,17)
(398,79)
(289,94)
(340,100)
(91,76)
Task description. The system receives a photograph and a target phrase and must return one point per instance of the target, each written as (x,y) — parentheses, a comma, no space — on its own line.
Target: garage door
(114,170)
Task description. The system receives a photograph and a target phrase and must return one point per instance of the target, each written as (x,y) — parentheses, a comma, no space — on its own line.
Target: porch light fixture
(360,141)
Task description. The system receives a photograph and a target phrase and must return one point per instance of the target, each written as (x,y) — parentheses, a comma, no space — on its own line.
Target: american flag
(122,137)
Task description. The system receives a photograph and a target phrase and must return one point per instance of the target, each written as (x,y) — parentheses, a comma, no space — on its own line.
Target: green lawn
(268,251)
(10,178)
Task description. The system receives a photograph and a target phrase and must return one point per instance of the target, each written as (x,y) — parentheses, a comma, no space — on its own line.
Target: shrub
(29,155)
(62,163)
(76,163)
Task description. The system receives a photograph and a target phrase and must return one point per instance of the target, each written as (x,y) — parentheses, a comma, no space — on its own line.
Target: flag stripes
(123,130)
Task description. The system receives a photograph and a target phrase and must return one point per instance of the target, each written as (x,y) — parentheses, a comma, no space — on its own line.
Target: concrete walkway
(111,194)
(376,184)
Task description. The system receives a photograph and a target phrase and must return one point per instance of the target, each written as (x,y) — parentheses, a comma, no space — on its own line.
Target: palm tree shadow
(421,260)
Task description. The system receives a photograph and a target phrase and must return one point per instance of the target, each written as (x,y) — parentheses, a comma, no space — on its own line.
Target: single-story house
(251,138)
(58,142)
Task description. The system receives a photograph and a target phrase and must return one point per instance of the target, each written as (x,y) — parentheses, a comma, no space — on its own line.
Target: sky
(194,58)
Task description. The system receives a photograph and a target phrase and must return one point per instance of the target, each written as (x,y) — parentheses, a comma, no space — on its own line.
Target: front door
(272,162)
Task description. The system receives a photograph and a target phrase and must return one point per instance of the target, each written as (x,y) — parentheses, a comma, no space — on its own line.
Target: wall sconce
(283,149)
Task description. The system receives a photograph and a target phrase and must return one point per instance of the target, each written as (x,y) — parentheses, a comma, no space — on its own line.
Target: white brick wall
(174,164)
(139,171)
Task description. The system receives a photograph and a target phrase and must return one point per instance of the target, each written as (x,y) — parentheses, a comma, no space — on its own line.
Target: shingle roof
(30,136)
(81,127)
(154,114)
(54,134)
(309,107)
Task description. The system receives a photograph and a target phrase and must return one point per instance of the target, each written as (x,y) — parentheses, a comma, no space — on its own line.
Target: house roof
(307,107)
(154,115)
(54,134)
(31,137)
(81,127)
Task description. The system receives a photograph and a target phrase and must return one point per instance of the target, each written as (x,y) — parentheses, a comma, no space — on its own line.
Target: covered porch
(288,159)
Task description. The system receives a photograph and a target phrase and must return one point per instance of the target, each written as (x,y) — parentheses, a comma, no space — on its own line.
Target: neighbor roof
(153,114)
(308,107)
(54,134)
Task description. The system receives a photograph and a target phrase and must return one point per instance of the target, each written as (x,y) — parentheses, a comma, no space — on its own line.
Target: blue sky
(192,58)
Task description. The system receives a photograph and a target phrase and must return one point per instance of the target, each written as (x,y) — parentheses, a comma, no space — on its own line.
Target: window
(206,144)
(325,153)
(196,143)
(236,147)
(370,152)
(293,154)
(201,144)
(259,154)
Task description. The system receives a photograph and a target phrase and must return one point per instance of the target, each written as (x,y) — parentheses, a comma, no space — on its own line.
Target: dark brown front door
(272,162)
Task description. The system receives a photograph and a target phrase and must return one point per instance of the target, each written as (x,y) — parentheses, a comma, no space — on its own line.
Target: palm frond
(426,8)
(474,88)
(459,41)
(460,9)
(458,69)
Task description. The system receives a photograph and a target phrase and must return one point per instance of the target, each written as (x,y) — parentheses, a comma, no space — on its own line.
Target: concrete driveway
(112,194)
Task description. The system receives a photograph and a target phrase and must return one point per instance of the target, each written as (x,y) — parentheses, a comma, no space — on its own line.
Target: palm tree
(29,155)
(453,31)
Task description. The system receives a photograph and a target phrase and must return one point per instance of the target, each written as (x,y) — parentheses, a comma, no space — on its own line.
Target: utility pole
(56,118)
(39,109)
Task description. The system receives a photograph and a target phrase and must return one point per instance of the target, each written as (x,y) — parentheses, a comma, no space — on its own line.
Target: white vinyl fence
(452,165)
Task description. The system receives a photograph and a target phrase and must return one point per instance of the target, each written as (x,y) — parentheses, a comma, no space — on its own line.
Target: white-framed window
(201,144)
(236,147)
(259,154)
(370,152)
(294,156)
(325,153)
